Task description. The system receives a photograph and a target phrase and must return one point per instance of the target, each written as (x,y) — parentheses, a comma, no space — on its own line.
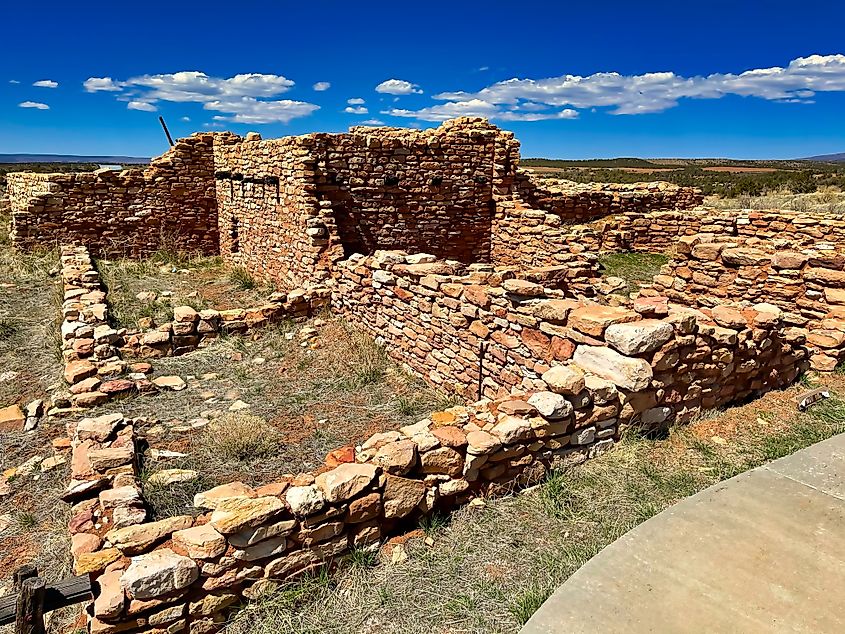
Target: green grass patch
(635,268)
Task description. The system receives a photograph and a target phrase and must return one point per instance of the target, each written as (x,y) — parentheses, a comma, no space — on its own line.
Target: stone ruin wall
(291,207)
(668,361)
(560,372)
(555,404)
(169,205)
(98,358)
(712,271)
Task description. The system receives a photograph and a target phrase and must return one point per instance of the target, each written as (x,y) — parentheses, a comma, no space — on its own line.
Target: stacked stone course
(169,205)
(668,361)
(95,353)
(808,284)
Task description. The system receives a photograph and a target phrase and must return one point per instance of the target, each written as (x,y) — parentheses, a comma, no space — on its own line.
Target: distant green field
(727,178)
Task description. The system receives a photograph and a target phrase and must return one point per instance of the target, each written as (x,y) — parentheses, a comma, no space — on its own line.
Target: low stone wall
(182,573)
(191,329)
(490,330)
(808,284)
(580,202)
(169,205)
(94,370)
(95,354)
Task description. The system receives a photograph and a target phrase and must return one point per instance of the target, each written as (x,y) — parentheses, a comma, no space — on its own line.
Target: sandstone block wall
(182,573)
(291,207)
(808,284)
(580,202)
(504,330)
(171,204)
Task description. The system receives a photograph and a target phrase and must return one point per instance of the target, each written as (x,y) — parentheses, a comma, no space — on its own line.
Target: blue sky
(573,80)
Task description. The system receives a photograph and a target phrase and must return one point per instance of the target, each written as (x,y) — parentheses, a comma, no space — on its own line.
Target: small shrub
(242,278)
(240,436)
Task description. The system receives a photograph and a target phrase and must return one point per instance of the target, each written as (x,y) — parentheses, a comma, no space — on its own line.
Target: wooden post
(482,348)
(27,571)
(166,131)
(29,614)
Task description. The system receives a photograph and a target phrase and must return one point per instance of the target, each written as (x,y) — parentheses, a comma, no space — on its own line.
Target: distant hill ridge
(828,158)
(71,158)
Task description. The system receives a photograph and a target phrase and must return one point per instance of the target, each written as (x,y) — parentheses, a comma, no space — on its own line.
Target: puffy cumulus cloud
(480,108)
(191,85)
(398,87)
(185,119)
(244,98)
(14,81)
(141,105)
(101,84)
(37,105)
(355,101)
(797,82)
(45,83)
(372,122)
(320,86)
(356,110)
(251,110)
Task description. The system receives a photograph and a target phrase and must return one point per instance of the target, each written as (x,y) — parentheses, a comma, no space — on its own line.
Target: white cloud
(320,86)
(372,122)
(141,105)
(186,86)
(101,84)
(185,119)
(34,104)
(250,110)
(45,83)
(14,81)
(398,87)
(478,108)
(356,110)
(244,98)
(659,91)
(355,101)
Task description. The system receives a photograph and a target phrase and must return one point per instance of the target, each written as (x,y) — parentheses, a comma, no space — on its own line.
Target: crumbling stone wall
(291,207)
(96,354)
(580,202)
(170,205)
(715,272)
(494,330)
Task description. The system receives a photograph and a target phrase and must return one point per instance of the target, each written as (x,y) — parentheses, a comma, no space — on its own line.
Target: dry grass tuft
(239,436)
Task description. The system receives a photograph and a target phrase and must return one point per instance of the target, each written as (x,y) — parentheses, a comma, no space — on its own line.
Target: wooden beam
(59,595)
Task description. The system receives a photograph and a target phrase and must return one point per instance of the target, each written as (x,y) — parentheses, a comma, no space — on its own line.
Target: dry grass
(192,280)
(30,302)
(490,568)
(304,402)
(826,200)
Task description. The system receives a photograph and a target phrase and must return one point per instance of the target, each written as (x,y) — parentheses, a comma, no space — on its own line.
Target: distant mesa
(827,158)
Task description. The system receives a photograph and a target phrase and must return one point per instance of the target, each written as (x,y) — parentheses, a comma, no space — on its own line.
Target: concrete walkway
(761,552)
